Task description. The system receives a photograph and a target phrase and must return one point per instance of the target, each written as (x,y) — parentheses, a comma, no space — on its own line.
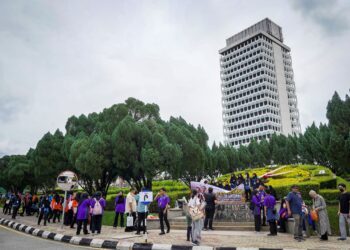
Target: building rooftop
(265,25)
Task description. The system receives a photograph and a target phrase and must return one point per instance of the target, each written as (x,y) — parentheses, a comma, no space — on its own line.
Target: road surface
(14,240)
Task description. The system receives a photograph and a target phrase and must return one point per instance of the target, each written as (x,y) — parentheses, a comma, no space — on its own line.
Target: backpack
(97,208)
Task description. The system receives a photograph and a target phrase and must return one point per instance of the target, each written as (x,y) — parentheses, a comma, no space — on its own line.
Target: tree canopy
(131,140)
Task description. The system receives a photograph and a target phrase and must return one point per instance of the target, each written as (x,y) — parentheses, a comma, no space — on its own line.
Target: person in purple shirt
(262,194)
(270,211)
(163,205)
(256,207)
(119,209)
(283,217)
(98,204)
(83,213)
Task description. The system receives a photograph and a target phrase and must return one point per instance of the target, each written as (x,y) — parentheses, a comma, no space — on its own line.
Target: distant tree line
(130,140)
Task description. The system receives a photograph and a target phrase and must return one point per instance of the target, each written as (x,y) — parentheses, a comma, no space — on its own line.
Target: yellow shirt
(130,198)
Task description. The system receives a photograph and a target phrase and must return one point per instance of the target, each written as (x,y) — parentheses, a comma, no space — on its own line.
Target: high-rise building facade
(258,89)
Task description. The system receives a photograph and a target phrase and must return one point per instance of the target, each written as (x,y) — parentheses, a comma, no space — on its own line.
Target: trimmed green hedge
(153,206)
(330,194)
(304,188)
(328,184)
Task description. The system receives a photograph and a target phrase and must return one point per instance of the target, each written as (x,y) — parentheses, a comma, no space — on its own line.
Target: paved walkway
(210,238)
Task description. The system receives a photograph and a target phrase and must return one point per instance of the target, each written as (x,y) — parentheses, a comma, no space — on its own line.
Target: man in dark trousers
(294,204)
(343,211)
(210,200)
(163,205)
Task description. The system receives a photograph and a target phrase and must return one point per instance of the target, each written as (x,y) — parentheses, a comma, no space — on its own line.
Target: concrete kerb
(100,243)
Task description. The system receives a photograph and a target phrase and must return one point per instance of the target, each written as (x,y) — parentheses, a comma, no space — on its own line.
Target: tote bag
(314,215)
(196,214)
(130,221)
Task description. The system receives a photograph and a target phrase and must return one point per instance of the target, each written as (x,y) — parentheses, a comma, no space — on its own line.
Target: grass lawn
(108,218)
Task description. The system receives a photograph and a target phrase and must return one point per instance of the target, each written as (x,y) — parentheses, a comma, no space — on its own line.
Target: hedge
(304,188)
(329,194)
(153,206)
(328,184)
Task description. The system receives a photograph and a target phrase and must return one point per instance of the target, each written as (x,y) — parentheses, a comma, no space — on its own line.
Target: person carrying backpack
(44,207)
(98,205)
(16,203)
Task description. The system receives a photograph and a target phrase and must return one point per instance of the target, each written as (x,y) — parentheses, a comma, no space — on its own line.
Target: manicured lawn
(108,218)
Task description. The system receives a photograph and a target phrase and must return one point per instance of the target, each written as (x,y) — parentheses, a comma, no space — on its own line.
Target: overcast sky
(63,58)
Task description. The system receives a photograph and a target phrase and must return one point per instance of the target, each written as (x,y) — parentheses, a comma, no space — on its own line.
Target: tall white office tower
(258,89)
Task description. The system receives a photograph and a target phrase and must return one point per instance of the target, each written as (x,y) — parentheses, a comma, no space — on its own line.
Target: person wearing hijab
(319,205)
(98,204)
(83,213)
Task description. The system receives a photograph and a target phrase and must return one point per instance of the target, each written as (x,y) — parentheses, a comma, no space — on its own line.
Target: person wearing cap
(343,211)
(210,199)
(294,206)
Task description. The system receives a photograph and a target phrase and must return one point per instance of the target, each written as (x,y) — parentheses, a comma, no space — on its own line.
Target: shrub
(153,206)
(329,194)
(328,184)
(304,188)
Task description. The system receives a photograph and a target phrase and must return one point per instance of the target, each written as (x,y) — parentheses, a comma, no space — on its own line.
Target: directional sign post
(66,180)
(146,197)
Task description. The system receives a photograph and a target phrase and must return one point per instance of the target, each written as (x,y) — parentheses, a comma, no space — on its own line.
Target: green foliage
(330,194)
(304,188)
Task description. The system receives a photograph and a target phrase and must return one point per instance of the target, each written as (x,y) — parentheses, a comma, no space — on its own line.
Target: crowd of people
(263,204)
(79,208)
(83,210)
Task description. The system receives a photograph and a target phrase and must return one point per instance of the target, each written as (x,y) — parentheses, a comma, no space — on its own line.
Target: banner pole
(64,207)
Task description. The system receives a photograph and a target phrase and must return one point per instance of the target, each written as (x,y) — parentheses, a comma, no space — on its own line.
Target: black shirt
(344,200)
(210,199)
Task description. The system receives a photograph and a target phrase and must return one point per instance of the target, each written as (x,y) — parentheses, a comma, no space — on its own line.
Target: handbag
(314,215)
(196,214)
(130,221)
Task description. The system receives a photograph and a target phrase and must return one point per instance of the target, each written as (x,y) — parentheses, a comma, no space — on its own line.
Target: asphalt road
(13,240)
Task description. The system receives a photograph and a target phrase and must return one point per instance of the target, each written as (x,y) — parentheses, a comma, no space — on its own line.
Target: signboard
(67,180)
(146,197)
(203,188)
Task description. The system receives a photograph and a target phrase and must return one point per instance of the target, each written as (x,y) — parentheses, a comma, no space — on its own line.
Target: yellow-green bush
(330,194)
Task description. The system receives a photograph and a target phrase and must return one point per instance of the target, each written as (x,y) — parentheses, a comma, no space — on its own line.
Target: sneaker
(211,229)
(161,233)
(341,238)
(168,231)
(205,229)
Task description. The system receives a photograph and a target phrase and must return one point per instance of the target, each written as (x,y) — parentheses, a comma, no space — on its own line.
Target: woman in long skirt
(323,226)
(196,206)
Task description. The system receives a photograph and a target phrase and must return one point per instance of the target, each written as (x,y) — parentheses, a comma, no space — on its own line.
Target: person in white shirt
(130,208)
(196,207)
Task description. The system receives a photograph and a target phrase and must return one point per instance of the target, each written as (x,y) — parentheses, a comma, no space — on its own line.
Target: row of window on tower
(269,79)
(255,130)
(253,106)
(251,99)
(252,91)
(252,115)
(233,76)
(247,140)
(247,43)
(245,56)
